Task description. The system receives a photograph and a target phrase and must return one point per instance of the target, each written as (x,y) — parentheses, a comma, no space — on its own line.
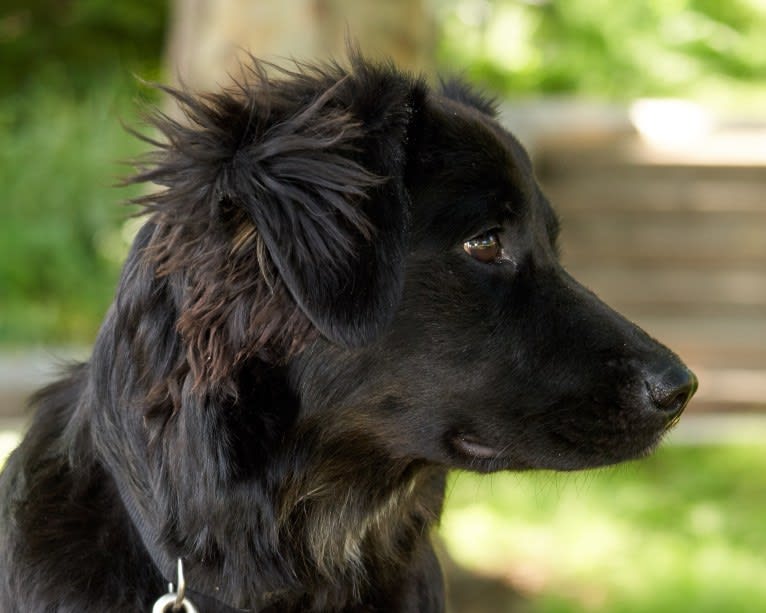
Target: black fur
(300,348)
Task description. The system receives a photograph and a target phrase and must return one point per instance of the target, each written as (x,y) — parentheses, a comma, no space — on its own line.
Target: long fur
(300,347)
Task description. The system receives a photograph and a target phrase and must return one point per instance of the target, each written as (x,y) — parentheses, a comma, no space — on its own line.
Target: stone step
(593,193)
(709,341)
(672,239)
(730,390)
(739,156)
(676,291)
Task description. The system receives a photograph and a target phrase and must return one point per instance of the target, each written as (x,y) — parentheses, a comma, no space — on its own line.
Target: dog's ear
(316,159)
(325,190)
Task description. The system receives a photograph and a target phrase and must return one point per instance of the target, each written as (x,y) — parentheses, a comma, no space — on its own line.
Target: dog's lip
(472,447)
(673,422)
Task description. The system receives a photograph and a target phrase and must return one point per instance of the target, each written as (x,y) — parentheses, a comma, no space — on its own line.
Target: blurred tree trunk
(209,37)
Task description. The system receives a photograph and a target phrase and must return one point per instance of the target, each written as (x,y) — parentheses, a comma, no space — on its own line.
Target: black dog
(348,286)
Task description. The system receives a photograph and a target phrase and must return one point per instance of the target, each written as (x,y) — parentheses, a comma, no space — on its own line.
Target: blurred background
(647,123)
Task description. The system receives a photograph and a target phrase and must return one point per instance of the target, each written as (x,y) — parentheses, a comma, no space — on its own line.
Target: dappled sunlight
(8,441)
(551,543)
(665,534)
(670,123)
(113,243)
(618,50)
(683,131)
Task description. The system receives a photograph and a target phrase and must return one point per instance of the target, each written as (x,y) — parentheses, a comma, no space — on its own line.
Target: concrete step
(670,239)
(591,192)
(662,289)
(732,156)
(24,371)
(730,390)
(710,342)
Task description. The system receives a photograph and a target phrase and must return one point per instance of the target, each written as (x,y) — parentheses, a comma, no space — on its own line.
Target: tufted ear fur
(284,211)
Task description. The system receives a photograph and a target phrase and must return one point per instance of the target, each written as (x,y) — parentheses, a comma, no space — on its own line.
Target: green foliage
(73,43)
(681,531)
(613,49)
(66,81)
(60,238)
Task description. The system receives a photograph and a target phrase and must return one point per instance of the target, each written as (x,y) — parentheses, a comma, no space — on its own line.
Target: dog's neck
(302,513)
(332,539)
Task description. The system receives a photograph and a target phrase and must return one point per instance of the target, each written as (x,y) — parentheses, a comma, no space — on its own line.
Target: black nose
(671,388)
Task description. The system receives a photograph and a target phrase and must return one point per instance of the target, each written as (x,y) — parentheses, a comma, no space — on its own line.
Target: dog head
(389,246)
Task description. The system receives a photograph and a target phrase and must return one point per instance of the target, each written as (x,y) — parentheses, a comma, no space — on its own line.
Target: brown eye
(485,248)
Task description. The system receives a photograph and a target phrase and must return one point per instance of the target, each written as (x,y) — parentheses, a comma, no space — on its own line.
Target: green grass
(682,531)
(60,241)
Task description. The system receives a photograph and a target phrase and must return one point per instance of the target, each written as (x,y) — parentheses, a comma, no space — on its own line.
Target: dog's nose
(671,387)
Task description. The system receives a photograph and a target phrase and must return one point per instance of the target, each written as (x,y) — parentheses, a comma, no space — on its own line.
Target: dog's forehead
(469,167)
(481,127)
(474,143)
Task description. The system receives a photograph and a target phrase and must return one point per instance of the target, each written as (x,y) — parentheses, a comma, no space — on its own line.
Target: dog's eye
(485,247)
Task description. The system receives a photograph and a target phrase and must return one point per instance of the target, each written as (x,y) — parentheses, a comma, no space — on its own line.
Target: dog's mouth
(473,448)
(566,449)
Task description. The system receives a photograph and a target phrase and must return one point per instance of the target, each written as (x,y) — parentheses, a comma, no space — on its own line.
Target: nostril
(674,403)
(672,389)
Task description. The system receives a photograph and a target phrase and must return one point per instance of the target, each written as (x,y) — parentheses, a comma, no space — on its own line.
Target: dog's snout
(671,387)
